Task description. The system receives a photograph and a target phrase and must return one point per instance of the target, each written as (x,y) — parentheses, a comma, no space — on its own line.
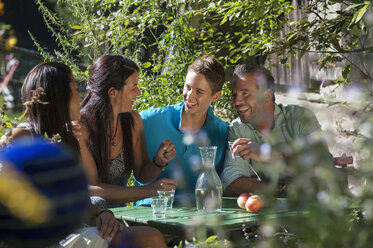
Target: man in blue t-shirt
(189,124)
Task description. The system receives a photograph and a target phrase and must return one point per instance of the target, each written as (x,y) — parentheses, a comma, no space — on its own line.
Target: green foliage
(256,28)
(6,123)
(238,30)
(210,242)
(333,31)
(164,37)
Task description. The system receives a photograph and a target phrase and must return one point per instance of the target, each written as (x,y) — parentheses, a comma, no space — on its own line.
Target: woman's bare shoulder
(136,116)
(19,132)
(137,120)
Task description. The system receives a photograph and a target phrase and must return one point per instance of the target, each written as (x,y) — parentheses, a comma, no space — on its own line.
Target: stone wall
(341,122)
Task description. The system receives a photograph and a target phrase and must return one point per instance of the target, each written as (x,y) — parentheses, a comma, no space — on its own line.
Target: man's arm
(236,176)
(243,185)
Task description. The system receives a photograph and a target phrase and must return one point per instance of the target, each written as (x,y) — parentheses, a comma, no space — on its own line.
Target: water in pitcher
(209,190)
(209,199)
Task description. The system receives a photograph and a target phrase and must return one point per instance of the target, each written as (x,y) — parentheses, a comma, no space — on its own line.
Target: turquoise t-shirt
(164,123)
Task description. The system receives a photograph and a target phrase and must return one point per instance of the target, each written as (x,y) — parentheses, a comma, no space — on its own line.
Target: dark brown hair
(244,69)
(109,70)
(51,113)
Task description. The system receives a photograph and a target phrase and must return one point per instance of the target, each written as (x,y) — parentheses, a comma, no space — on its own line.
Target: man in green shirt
(261,128)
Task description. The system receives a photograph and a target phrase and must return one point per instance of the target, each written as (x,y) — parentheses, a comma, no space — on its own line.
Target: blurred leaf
(76,27)
(362,12)
(211,239)
(146,65)
(353,6)
(346,71)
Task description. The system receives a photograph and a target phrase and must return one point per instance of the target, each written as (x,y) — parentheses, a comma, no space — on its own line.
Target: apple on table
(242,199)
(252,203)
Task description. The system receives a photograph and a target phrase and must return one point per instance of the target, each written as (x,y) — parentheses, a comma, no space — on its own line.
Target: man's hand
(247,148)
(107,225)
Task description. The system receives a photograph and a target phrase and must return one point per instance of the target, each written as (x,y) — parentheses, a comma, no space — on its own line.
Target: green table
(179,219)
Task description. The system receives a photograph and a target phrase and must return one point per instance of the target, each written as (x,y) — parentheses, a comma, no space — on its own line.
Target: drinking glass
(170,194)
(159,206)
(230,143)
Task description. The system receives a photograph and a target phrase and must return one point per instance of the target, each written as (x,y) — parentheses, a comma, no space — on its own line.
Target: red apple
(259,199)
(253,204)
(241,200)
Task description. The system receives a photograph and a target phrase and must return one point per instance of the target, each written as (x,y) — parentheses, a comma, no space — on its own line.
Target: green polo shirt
(290,122)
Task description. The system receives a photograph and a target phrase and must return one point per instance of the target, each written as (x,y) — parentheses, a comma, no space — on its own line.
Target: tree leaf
(211,238)
(146,65)
(353,6)
(353,18)
(361,13)
(346,71)
(291,36)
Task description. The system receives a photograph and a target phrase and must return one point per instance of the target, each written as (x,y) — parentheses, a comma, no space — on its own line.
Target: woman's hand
(165,153)
(107,225)
(162,184)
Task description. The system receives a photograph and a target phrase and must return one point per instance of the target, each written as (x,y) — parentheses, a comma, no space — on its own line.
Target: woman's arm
(144,168)
(113,193)
(122,194)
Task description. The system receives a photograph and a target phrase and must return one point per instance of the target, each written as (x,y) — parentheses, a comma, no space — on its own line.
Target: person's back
(56,188)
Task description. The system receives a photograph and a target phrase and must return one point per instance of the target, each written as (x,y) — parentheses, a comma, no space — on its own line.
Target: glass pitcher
(209,190)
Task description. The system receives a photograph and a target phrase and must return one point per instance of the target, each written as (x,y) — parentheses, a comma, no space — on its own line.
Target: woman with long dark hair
(52,99)
(113,141)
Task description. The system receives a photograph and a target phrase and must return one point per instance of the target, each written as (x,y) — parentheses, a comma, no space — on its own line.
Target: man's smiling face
(247,99)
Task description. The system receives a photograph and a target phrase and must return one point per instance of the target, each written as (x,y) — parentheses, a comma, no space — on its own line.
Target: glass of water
(170,194)
(159,206)
(230,143)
